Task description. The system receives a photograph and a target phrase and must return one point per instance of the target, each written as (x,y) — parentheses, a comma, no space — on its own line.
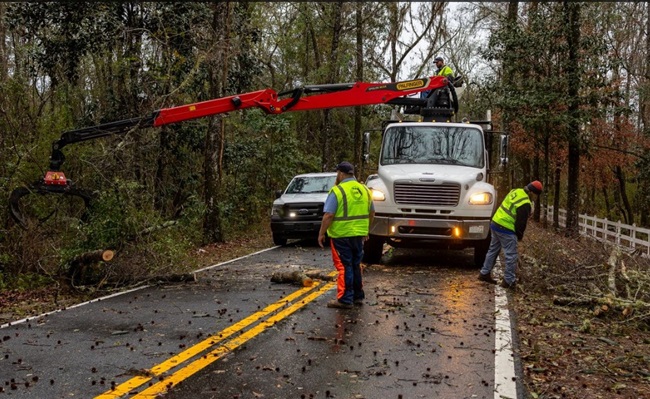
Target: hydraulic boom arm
(299,99)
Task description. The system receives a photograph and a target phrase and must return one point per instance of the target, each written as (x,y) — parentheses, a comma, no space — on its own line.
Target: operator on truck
(443,70)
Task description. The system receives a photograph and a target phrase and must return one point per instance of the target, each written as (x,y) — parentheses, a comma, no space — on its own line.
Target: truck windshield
(311,184)
(433,145)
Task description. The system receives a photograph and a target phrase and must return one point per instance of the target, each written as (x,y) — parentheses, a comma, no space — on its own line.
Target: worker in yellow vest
(348,212)
(507,228)
(442,70)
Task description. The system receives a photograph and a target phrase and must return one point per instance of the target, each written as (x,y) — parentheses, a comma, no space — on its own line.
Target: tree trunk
(161,163)
(359,78)
(508,76)
(544,197)
(214,138)
(4,60)
(628,216)
(536,174)
(643,194)
(572,19)
(619,173)
(556,198)
(332,77)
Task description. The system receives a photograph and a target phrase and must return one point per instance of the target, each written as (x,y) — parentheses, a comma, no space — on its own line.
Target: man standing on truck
(348,212)
(443,70)
(507,228)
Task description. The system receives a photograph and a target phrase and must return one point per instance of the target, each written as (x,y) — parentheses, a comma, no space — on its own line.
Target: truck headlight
(480,199)
(276,210)
(377,195)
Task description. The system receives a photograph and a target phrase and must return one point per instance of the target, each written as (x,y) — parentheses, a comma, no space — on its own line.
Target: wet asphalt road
(426,330)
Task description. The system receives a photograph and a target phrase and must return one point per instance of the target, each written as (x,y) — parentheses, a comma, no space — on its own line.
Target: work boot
(505,284)
(358,302)
(339,305)
(487,278)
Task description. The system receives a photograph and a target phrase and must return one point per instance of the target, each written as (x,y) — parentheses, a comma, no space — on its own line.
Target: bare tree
(406,28)
(214,139)
(572,20)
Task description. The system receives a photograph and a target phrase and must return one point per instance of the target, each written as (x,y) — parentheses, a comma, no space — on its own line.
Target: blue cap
(345,167)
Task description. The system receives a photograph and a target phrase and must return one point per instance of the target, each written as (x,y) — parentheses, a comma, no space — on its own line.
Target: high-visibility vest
(352,217)
(506,214)
(446,72)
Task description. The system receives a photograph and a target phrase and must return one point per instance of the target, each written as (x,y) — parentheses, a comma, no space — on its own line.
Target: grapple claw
(41,188)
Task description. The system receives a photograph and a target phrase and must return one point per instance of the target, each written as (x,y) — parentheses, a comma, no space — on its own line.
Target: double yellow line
(163,384)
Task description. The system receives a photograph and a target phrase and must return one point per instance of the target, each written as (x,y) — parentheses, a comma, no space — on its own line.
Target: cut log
(319,275)
(81,267)
(296,278)
(100,255)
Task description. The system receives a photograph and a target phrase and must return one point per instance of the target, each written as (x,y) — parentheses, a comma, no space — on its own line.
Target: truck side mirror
(503,150)
(366,146)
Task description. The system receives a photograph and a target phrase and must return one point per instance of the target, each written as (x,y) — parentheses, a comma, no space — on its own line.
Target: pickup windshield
(311,184)
(433,145)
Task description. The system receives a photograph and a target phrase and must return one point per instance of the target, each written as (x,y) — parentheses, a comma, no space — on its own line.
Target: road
(426,330)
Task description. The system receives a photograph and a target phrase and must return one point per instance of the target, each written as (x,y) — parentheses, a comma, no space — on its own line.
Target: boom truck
(432,187)
(446,186)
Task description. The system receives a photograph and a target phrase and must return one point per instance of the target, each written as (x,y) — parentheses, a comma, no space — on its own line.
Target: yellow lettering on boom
(411,84)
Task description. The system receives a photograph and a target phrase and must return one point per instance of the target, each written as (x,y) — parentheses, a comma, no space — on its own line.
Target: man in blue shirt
(348,212)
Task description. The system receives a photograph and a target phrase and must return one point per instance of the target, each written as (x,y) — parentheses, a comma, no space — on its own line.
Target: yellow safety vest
(352,217)
(446,72)
(506,214)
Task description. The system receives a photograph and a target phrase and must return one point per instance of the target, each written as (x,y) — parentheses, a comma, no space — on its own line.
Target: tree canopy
(569,82)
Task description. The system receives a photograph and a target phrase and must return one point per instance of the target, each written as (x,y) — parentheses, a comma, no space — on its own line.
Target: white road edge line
(13,323)
(234,260)
(505,384)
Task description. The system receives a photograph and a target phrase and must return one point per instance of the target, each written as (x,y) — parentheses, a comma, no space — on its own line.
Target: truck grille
(304,211)
(445,194)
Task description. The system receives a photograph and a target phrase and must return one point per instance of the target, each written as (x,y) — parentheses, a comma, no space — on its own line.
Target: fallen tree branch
(614,303)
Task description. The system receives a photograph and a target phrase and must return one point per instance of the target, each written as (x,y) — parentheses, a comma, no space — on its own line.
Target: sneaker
(339,305)
(504,284)
(487,278)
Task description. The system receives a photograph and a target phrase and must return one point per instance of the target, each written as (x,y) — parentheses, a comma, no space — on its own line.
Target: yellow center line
(219,352)
(174,361)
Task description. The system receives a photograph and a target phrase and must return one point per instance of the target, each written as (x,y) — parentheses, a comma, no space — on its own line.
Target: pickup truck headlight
(276,210)
(480,199)
(377,195)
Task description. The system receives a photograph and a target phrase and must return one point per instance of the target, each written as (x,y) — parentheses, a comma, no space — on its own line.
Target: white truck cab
(431,188)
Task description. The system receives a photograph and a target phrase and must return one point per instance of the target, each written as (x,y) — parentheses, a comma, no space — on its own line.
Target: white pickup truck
(431,189)
(297,211)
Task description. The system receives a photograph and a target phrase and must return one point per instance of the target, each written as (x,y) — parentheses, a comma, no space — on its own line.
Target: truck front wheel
(279,240)
(373,248)
(480,250)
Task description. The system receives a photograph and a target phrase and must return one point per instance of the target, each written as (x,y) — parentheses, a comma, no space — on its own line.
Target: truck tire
(373,248)
(480,250)
(279,240)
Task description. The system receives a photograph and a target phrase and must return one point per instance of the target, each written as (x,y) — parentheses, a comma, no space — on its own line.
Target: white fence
(625,236)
